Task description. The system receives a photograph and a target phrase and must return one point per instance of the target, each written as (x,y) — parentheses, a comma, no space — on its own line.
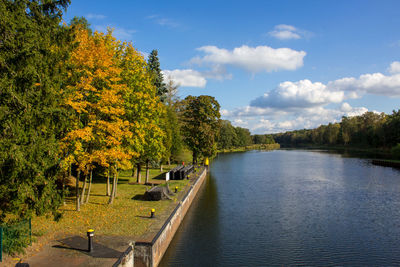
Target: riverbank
(115,225)
(363,152)
(251,147)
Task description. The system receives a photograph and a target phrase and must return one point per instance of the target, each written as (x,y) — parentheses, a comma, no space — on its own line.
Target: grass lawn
(127,216)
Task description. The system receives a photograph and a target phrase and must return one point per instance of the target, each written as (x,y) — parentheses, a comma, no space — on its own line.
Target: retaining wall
(149,254)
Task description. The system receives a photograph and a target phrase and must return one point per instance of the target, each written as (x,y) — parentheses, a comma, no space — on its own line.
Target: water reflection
(292,207)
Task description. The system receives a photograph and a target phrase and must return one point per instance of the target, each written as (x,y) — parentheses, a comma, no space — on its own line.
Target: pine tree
(157,77)
(32,52)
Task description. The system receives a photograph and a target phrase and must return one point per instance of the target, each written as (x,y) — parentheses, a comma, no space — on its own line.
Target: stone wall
(151,253)
(127,258)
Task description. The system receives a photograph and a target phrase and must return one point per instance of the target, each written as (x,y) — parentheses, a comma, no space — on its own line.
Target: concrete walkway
(72,251)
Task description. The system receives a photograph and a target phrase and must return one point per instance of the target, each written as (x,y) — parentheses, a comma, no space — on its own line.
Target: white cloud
(275,120)
(287,32)
(375,83)
(303,104)
(253,59)
(394,67)
(284,35)
(95,16)
(303,93)
(186,78)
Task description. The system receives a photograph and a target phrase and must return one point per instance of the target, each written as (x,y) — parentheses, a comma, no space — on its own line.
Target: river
(291,207)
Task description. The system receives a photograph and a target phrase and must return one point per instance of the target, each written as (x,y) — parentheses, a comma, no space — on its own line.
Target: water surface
(291,207)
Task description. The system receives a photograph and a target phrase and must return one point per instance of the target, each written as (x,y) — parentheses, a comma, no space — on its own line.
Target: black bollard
(90,234)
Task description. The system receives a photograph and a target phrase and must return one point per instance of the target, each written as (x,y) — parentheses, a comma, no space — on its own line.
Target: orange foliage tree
(95,95)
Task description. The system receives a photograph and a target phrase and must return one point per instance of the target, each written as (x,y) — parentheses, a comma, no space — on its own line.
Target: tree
(143,109)
(33,48)
(243,137)
(95,95)
(201,125)
(227,137)
(157,77)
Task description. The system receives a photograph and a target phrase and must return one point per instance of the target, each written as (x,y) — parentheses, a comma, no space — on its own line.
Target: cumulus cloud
(303,93)
(304,104)
(394,67)
(253,59)
(375,83)
(185,78)
(275,120)
(287,32)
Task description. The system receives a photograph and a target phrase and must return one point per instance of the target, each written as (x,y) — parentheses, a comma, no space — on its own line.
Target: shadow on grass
(144,217)
(80,244)
(138,197)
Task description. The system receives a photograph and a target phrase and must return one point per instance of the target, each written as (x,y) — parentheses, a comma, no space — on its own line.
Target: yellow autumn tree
(143,108)
(95,95)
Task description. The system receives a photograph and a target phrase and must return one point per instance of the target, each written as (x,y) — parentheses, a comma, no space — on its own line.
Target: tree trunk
(108,183)
(111,199)
(83,190)
(139,175)
(147,171)
(134,172)
(194,158)
(90,186)
(116,184)
(78,204)
(161,167)
(169,162)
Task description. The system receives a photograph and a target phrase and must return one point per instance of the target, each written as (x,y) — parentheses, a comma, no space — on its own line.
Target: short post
(152,213)
(176,189)
(90,234)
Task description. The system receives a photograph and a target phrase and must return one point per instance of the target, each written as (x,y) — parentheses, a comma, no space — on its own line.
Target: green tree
(243,137)
(201,125)
(227,137)
(392,128)
(32,74)
(154,67)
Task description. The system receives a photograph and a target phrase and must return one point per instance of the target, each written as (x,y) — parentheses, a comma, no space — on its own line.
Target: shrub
(396,151)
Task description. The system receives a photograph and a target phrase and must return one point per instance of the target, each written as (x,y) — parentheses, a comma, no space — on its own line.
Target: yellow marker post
(152,213)
(90,234)
(206,162)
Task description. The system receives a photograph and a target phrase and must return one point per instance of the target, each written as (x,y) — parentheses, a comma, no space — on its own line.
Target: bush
(16,236)
(396,151)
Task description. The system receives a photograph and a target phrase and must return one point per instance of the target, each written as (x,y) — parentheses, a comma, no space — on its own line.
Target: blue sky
(272,65)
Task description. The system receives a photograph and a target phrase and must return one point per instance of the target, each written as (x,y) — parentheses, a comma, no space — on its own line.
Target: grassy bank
(127,216)
(251,147)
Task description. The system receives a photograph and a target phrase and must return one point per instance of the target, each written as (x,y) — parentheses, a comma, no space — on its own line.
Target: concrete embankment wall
(151,253)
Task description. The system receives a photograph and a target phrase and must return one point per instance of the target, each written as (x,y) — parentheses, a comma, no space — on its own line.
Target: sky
(273,66)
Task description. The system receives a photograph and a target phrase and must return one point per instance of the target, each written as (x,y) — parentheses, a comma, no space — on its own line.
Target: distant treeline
(370,130)
(234,137)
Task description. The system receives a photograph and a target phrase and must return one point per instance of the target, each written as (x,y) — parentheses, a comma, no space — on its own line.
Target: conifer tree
(157,77)
(32,53)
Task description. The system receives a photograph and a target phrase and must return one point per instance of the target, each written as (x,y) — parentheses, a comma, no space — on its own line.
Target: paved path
(72,251)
